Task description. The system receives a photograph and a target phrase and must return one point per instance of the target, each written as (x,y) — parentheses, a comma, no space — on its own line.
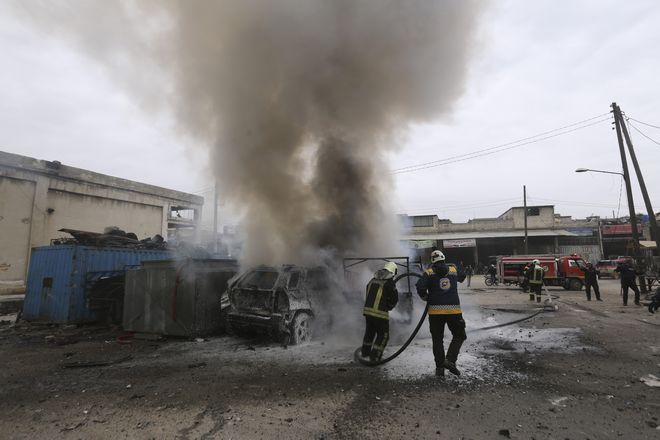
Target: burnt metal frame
(399,261)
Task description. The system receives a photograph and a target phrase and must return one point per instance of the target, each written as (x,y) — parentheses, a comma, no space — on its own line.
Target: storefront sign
(421,244)
(620,229)
(462,243)
(582,232)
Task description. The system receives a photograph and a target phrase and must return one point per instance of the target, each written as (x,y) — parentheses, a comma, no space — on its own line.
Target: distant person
(468,274)
(536,274)
(591,280)
(492,272)
(524,285)
(628,281)
(381,297)
(439,287)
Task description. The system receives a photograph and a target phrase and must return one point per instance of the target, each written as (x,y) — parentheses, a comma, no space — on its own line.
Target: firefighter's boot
(451,366)
(538,298)
(531,297)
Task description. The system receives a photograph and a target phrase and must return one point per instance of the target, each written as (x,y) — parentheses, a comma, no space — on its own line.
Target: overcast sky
(539,66)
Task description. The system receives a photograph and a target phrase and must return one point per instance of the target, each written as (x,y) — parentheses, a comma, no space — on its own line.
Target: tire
(575,284)
(489,282)
(301,329)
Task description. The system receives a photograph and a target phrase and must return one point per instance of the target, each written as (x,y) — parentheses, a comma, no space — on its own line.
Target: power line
(486,152)
(503,145)
(643,123)
(643,134)
(576,203)
(460,206)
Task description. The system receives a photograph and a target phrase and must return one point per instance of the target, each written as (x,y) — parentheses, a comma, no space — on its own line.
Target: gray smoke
(298,101)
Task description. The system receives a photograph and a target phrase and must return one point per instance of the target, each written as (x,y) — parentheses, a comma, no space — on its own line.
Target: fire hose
(405,345)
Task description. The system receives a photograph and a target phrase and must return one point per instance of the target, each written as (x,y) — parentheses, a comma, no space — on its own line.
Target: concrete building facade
(37,198)
(478,240)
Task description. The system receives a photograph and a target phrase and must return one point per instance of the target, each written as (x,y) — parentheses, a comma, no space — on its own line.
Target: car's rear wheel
(575,284)
(301,329)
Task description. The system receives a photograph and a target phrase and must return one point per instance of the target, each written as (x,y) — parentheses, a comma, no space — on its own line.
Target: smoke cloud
(298,101)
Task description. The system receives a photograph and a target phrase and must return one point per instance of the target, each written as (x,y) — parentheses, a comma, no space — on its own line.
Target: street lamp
(631,207)
(584,170)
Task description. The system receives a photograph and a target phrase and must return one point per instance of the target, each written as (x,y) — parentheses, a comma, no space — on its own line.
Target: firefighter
(381,297)
(628,281)
(591,280)
(525,282)
(536,274)
(439,287)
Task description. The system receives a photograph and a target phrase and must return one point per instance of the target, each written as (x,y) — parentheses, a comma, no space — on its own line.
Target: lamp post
(631,207)
(584,170)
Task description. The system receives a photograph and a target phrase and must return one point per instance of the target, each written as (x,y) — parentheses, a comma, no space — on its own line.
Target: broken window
(535,211)
(260,280)
(294,279)
(422,221)
(182,212)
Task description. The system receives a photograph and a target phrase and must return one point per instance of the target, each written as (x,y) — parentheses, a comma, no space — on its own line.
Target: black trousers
(625,284)
(376,336)
(456,326)
(587,288)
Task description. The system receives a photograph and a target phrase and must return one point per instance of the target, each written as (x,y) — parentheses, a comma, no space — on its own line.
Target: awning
(489,234)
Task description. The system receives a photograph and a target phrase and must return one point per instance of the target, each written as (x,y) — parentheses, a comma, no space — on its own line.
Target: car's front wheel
(301,329)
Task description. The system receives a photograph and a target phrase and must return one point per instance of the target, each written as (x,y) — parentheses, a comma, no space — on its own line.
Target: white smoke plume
(266,85)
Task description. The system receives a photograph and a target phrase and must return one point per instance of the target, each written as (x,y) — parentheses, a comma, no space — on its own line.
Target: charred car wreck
(279,301)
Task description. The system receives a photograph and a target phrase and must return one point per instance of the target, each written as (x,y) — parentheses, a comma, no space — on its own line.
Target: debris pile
(111,237)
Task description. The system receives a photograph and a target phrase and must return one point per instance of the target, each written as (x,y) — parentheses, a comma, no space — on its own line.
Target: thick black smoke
(297,100)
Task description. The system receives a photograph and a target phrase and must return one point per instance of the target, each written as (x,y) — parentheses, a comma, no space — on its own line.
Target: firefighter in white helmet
(536,274)
(439,287)
(381,297)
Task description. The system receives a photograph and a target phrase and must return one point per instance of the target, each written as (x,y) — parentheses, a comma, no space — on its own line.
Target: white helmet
(437,256)
(535,261)
(390,267)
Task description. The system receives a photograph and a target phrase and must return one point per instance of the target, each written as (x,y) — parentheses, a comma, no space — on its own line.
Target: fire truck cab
(561,270)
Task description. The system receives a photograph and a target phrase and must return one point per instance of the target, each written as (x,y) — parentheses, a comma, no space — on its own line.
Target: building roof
(489,234)
(65,172)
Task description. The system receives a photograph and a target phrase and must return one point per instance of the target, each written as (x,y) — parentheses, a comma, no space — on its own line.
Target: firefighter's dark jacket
(627,273)
(382,295)
(439,285)
(590,275)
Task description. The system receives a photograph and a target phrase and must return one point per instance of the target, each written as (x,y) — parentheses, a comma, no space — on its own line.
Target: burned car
(289,302)
(279,301)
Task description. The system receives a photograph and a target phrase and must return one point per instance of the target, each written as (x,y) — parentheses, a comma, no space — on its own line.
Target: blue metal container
(59,277)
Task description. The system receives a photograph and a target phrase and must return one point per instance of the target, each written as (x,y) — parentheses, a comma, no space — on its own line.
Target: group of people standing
(438,286)
(533,280)
(626,273)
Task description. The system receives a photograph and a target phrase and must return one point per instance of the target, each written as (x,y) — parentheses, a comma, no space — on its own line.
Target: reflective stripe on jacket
(439,284)
(381,297)
(536,275)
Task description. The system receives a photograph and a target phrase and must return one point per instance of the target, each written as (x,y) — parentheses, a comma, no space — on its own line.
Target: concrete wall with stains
(37,198)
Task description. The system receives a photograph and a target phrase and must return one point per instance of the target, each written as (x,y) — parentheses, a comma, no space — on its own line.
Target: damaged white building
(38,197)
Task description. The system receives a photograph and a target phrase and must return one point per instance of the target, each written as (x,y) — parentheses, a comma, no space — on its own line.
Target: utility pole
(640,178)
(626,178)
(525,207)
(215,217)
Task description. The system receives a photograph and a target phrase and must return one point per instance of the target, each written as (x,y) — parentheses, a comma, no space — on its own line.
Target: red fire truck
(562,270)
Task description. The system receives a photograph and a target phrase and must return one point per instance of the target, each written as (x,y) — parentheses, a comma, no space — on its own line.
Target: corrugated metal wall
(56,278)
(179,298)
